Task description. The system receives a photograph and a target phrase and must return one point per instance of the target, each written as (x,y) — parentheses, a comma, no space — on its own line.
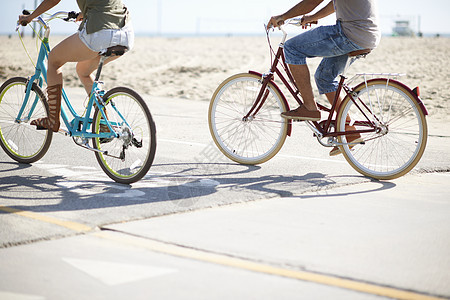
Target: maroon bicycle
(246,125)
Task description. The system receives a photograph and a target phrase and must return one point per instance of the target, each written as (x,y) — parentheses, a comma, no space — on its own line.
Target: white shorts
(101,40)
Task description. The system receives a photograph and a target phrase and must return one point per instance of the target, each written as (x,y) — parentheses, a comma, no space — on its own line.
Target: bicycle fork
(260,99)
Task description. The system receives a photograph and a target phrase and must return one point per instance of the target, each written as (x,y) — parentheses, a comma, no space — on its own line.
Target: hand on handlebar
(307,21)
(278,21)
(275,21)
(24,20)
(79,17)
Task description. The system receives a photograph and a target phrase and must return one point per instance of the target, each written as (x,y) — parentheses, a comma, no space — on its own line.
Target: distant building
(402,28)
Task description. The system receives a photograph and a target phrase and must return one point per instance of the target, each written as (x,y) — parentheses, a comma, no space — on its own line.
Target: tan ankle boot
(54,104)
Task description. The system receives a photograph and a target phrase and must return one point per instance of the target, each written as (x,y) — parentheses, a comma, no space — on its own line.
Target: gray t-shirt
(359,21)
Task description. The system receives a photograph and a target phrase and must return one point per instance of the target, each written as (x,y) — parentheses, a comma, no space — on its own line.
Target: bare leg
(330,97)
(72,49)
(303,80)
(308,111)
(85,71)
(69,50)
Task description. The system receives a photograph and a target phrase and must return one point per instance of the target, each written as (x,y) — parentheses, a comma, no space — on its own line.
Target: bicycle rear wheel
(128,158)
(253,140)
(400,140)
(21,141)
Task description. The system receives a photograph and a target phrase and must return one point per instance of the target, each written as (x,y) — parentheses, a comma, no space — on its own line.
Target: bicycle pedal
(105,140)
(63,131)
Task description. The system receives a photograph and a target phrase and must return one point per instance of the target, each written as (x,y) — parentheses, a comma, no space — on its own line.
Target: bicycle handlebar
(69,16)
(294,21)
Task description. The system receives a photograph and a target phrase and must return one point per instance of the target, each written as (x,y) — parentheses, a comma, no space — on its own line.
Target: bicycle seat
(115,50)
(362,52)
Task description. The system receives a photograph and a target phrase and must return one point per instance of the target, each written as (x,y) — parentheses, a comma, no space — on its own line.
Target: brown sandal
(54,104)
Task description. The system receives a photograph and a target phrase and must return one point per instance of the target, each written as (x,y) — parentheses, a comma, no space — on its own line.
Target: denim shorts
(101,40)
(328,42)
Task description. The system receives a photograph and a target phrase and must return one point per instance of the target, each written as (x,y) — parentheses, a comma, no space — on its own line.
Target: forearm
(302,8)
(43,7)
(324,12)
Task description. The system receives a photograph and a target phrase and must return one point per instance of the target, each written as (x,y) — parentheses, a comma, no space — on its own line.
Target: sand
(192,67)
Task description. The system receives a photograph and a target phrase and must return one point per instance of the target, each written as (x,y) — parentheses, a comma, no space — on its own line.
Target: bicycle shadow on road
(259,185)
(188,186)
(13,167)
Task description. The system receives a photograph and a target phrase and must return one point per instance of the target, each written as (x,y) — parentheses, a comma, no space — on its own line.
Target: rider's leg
(309,110)
(324,41)
(351,138)
(98,42)
(86,68)
(331,98)
(303,82)
(72,49)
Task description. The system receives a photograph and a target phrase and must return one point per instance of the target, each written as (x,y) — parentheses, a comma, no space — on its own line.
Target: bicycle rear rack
(369,76)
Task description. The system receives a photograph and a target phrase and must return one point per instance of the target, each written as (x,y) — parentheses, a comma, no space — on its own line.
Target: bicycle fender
(289,129)
(414,94)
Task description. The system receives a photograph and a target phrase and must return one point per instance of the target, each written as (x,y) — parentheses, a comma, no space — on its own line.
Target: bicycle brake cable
(25,48)
(270,45)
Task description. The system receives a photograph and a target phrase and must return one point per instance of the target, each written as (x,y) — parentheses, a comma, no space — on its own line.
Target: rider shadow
(190,186)
(269,186)
(56,193)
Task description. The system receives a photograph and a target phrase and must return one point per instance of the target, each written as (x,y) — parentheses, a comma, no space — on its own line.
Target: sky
(186,17)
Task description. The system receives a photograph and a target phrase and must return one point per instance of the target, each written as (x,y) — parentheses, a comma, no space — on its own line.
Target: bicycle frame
(78,126)
(289,83)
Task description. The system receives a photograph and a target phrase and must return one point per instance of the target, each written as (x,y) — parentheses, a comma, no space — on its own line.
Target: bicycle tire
(20,140)
(398,146)
(137,159)
(257,139)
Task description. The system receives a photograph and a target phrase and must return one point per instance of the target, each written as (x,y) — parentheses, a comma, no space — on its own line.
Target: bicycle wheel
(128,158)
(400,140)
(253,140)
(21,141)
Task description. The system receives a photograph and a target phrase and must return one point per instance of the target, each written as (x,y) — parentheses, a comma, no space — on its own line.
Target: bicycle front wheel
(20,140)
(128,157)
(401,136)
(251,140)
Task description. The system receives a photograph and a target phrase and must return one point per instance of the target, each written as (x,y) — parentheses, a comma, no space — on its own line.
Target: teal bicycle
(116,124)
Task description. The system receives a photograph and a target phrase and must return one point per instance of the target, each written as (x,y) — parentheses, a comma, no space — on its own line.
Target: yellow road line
(225,260)
(78,227)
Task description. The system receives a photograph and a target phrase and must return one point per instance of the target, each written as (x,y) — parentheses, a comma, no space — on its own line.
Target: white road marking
(113,273)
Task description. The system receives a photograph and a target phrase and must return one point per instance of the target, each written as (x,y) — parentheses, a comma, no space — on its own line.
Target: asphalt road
(63,213)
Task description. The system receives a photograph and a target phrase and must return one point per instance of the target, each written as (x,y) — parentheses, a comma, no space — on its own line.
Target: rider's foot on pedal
(351,138)
(104,128)
(302,114)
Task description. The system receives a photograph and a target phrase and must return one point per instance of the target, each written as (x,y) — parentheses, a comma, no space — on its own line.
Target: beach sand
(192,67)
